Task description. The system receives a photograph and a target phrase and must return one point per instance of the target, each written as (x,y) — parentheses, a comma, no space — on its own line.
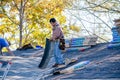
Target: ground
(104,64)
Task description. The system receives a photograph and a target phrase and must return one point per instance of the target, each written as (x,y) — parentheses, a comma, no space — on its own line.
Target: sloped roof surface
(104,64)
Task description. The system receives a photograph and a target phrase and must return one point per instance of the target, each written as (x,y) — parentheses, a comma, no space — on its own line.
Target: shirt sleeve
(4,43)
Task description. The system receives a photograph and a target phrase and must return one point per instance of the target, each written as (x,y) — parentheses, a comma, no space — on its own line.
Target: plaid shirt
(57,32)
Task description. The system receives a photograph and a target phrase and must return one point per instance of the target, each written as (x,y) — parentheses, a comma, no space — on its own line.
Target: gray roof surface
(104,64)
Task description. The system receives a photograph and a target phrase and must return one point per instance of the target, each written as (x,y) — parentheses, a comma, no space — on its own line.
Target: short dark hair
(52,20)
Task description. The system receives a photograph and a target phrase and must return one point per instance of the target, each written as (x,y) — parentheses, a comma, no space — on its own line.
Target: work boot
(59,65)
(55,65)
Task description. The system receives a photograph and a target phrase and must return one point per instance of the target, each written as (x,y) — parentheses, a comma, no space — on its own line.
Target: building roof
(104,64)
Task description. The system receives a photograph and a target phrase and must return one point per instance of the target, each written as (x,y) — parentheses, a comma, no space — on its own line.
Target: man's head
(53,21)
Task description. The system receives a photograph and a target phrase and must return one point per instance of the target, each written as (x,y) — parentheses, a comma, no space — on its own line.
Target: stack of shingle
(80,44)
(115,34)
(90,40)
(77,42)
(117,24)
(82,41)
(115,43)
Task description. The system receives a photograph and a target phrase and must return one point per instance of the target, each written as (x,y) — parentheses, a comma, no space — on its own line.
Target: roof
(104,63)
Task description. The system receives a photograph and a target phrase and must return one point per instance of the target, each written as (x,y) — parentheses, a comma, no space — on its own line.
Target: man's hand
(51,39)
(9,51)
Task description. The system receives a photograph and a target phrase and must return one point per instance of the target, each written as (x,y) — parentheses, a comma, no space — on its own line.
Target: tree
(30,18)
(93,14)
(19,7)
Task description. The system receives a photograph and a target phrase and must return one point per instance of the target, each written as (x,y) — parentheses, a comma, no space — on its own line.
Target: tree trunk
(21,15)
(20,37)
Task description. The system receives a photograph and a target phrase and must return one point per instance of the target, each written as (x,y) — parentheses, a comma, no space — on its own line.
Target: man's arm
(9,51)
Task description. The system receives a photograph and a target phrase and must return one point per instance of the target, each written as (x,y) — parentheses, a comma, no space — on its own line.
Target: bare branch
(100,5)
(81,22)
(99,18)
(25,2)
(8,16)
(90,7)
(87,29)
(16,5)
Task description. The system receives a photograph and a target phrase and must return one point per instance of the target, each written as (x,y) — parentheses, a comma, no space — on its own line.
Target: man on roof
(57,34)
(5,43)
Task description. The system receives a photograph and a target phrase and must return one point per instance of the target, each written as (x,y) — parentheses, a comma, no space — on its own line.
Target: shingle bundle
(77,42)
(115,43)
(117,24)
(82,41)
(115,34)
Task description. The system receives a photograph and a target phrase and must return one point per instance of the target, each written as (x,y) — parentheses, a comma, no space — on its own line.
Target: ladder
(4,68)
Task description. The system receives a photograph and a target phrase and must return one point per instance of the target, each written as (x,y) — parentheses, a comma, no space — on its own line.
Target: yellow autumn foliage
(36,26)
(1,15)
(75,28)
